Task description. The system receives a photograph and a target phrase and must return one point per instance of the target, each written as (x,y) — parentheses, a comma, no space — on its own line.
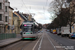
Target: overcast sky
(39,7)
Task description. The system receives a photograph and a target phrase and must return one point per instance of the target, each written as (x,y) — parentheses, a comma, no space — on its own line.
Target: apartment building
(21,17)
(16,22)
(72,14)
(4,15)
(10,19)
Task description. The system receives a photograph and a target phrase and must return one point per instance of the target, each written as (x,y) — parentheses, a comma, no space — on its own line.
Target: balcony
(1,12)
(1,0)
(7,3)
(1,22)
(6,23)
(6,14)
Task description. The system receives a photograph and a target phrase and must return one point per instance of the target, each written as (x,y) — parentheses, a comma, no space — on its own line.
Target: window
(5,8)
(5,0)
(0,5)
(6,19)
(0,17)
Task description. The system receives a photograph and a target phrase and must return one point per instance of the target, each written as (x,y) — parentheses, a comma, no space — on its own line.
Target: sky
(37,7)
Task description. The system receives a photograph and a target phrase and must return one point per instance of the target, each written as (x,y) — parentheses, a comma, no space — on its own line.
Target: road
(64,41)
(44,42)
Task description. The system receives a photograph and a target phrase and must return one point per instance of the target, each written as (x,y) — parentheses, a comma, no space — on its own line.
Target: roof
(22,16)
(11,8)
(14,15)
(26,15)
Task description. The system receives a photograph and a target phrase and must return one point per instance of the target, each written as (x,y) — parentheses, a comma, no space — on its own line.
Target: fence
(7,35)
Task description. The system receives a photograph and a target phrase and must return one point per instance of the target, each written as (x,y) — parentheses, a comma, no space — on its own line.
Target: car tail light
(63,30)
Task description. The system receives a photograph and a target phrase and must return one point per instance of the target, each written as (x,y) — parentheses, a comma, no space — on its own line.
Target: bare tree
(57,5)
(60,7)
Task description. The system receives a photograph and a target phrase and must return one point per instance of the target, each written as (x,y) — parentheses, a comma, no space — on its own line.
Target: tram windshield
(28,28)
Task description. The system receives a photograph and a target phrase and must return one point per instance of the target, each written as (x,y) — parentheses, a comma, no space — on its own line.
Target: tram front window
(27,29)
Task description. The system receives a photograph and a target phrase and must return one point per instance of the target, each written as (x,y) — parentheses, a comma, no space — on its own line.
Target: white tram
(28,30)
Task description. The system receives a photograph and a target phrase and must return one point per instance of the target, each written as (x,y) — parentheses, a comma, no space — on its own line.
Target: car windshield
(73,32)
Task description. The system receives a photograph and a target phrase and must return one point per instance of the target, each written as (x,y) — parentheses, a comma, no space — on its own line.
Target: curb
(8,43)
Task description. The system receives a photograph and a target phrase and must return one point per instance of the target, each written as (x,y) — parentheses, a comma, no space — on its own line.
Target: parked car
(51,31)
(54,31)
(47,30)
(72,35)
(41,31)
(58,31)
(65,31)
(38,31)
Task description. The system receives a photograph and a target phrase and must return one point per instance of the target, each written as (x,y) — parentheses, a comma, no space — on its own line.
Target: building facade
(16,23)
(21,17)
(4,15)
(11,19)
(72,15)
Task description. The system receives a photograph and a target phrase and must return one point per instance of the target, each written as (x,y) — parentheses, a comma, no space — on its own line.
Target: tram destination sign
(27,25)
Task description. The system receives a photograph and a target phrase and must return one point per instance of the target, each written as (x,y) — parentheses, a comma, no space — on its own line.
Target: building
(72,15)
(4,15)
(16,23)
(10,19)
(29,17)
(26,15)
(21,17)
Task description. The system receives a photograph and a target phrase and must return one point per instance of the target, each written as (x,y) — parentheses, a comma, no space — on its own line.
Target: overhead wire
(25,6)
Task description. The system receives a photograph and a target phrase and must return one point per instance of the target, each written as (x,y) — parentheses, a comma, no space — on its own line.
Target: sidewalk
(9,41)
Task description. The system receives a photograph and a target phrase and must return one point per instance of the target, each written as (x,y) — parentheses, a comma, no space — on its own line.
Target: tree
(61,9)
(61,20)
(68,1)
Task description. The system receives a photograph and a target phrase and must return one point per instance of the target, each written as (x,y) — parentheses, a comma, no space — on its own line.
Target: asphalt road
(65,42)
(44,42)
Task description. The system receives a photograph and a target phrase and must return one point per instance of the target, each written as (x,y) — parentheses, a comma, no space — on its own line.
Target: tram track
(23,48)
(21,45)
(44,42)
(51,42)
(17,46)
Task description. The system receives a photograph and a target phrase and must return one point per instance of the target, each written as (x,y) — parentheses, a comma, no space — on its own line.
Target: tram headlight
(24,33)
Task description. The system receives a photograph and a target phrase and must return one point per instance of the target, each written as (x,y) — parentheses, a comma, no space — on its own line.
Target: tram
(28,30)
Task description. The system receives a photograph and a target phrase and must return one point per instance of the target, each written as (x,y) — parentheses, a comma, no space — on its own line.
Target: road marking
(51,42)
(36,43)
(40,43)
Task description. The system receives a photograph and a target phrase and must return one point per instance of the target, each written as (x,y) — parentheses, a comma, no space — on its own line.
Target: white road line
(51,42)
(36,43)
(40,43)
